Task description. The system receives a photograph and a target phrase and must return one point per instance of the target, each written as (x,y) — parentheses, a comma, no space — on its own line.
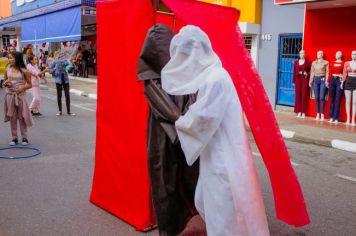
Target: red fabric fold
(220,23)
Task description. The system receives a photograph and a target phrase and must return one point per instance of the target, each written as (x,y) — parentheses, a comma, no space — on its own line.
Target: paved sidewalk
(296,129)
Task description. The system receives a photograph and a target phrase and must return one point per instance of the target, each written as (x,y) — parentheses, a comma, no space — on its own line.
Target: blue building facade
(21,6)
(46,21)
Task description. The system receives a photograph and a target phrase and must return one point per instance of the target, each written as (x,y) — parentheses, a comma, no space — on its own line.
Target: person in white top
(36,76)
(228,195)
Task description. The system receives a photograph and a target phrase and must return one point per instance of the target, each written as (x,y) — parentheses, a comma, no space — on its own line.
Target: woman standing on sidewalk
(17,80)
(62,82)
(36,76)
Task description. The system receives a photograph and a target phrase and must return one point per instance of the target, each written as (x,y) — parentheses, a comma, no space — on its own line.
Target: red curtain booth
(121,184)
(330,30)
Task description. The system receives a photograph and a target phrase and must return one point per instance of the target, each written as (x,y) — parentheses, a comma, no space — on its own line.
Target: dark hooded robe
(173,182)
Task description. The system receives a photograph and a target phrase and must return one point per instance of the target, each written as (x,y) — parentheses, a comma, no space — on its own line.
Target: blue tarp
(34,30)
(58,26)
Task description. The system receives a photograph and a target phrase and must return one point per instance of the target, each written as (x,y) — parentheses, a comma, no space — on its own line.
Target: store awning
(58,26)
(10,25)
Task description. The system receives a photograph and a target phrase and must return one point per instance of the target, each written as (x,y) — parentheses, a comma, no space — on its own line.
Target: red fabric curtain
(220,23)
(121,182)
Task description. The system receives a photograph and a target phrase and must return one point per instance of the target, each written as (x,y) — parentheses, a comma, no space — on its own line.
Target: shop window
(248,42)
(292,47)
(6,40)
(90,3)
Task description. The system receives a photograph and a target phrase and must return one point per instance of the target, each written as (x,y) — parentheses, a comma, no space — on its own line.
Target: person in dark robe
(173,182)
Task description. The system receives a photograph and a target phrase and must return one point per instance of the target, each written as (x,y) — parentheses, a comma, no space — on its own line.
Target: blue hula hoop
(37,152)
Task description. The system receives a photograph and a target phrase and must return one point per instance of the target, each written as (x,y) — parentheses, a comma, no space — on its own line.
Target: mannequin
(301,81)
(335,89)
(349,78)
(319,74)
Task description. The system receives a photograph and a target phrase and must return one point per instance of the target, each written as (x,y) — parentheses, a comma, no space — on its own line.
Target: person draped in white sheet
(228,195)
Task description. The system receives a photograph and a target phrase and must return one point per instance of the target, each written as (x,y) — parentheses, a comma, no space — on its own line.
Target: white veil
(192,59)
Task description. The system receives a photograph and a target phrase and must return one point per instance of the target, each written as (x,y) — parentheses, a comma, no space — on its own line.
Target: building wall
(249,22)
(20,6)
(330,30)
(276,20)
(5,8)
(250,9)
(5,11)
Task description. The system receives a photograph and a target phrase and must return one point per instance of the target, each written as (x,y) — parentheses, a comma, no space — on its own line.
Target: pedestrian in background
(4,52)
(3,65)
(50,61)
(78,62)
(42,60)
(62,83)
(12,49)
(86,56)
(27,52)
(36,76)
(17,80)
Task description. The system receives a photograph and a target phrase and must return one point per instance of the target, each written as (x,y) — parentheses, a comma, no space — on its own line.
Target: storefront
(7,32)
(64,21)
(329,26)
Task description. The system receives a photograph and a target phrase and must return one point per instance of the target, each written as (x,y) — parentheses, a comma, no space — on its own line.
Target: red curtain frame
(121,184)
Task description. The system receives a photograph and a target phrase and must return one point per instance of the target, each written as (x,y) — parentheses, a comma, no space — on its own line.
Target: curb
(73,91)
(83,94)
(287,134)
(87,80)
(93,96)
(343,145)
(76,92)
(334,143)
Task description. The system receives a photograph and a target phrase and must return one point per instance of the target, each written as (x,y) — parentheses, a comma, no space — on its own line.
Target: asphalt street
(49,194)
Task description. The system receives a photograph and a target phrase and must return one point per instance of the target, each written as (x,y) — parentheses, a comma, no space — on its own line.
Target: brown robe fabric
(173,182)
